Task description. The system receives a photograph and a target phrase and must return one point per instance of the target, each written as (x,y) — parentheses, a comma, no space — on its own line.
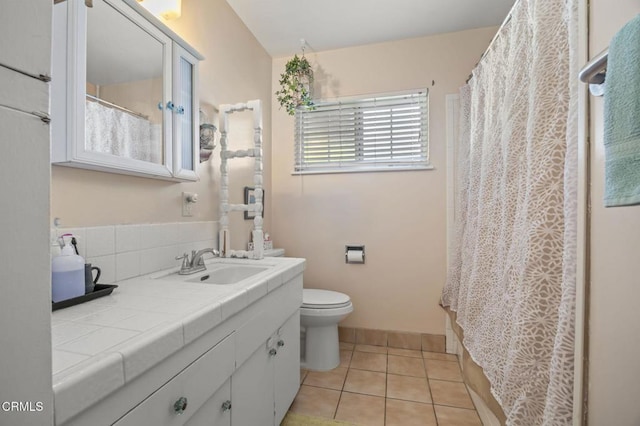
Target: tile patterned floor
(380,386)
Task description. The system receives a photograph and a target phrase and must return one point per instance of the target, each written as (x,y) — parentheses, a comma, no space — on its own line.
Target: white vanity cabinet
(244,371)
(124,92)
(264,386)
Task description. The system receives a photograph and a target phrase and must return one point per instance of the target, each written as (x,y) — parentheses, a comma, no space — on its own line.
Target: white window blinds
(375,133)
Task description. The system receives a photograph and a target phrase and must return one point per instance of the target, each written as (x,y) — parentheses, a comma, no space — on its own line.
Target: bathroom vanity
(184,349)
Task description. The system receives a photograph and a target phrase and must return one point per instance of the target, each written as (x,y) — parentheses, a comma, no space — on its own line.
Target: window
(387,132)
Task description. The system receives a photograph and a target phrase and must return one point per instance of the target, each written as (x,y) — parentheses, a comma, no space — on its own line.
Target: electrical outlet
(188,201)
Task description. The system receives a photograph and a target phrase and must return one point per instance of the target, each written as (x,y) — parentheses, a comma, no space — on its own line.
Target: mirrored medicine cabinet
(124,92)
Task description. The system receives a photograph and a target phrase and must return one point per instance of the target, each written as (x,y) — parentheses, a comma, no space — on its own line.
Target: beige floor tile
(371,348)
(453,394)
(345,358)
(344,346)
(332,379)
(450,416)
(314,401)
(303,374)
(364,410)
(406,413)
(439,356)
(443,370)
(366,382)
(369,361)
(406,366)
(408,388)
(405,352)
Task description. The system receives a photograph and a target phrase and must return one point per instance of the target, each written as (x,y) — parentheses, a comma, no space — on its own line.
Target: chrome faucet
(196,264)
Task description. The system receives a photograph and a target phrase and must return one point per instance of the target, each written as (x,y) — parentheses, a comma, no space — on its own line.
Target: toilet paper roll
(355,256)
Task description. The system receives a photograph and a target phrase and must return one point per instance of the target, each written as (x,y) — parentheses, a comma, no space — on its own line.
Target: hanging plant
(295,85)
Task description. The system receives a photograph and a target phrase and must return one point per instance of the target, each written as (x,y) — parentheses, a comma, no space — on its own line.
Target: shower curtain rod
(118,107)
(505,22)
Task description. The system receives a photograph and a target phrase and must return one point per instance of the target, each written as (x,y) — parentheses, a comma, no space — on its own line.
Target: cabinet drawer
(196,383)
(216,411)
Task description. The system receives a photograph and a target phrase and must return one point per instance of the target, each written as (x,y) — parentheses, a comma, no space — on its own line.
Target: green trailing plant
(295,85)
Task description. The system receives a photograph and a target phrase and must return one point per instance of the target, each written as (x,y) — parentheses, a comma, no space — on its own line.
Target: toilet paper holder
(354,254)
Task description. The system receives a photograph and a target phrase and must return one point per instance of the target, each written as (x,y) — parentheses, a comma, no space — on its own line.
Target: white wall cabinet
(124,92)
(25,369)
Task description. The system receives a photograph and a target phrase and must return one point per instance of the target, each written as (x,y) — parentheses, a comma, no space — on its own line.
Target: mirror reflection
(124,87)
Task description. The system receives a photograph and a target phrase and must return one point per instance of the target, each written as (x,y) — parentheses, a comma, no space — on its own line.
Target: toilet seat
(324,299)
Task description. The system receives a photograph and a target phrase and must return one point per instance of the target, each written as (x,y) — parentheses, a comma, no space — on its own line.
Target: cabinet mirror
(130,91)
(124,87)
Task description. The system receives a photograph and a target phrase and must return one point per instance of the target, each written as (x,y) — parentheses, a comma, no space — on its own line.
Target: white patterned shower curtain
(512,274)
(111,131)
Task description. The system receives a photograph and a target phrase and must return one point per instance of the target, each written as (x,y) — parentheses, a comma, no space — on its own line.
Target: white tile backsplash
(127,238)
(159,235)
(191,231)
(100,241)
(127,265)
(156,259)
(107,265)
(127,251)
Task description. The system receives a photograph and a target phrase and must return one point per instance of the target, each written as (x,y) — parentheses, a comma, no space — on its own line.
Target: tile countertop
(102,344)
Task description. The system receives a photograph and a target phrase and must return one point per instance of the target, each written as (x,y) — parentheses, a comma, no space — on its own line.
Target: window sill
(363,170)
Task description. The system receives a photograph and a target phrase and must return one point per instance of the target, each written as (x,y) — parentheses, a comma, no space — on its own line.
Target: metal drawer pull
(273,352)
(226,406)
(280,343)
(180,405)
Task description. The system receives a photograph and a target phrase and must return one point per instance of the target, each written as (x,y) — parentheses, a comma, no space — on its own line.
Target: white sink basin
(220,274)
(228,274)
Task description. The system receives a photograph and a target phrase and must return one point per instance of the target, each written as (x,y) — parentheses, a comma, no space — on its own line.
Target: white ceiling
(332,24)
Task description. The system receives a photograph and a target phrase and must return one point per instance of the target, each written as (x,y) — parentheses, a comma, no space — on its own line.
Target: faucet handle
(185,260)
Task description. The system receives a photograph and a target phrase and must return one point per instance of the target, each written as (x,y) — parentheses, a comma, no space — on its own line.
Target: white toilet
(320,313)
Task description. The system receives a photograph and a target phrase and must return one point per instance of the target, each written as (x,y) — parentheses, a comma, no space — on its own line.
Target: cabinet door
(287,365)
(216,411)
(252,390)
(111,90)
(186,128)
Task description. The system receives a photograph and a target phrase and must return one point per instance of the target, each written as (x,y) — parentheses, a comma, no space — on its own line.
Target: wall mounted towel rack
(594,73)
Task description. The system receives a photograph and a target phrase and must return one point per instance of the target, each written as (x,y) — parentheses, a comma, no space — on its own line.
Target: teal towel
(622,118)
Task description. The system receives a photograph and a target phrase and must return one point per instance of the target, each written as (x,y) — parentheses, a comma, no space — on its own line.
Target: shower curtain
(111,131)
(511,279)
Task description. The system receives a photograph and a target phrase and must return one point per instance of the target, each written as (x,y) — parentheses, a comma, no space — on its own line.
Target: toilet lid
(319,299)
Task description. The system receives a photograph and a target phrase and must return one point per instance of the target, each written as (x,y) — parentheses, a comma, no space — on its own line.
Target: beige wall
(399,216)
(236,69)
(614,322)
